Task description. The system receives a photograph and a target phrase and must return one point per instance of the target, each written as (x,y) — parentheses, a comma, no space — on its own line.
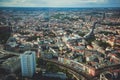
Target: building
(106,76)
(5,33)
(59,75)
(11,64)
(28,63)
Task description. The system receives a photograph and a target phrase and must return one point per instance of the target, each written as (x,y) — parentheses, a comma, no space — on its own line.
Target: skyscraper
(28,63)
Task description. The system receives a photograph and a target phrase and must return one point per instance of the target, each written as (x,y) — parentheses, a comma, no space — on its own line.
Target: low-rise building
(11,64)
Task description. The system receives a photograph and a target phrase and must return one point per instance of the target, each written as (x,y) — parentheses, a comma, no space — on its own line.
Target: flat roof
(28,52)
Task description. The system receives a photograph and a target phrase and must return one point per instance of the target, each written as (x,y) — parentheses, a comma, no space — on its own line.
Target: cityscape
(59,43)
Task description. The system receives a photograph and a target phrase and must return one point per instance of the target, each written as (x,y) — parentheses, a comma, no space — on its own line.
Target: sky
(59,3)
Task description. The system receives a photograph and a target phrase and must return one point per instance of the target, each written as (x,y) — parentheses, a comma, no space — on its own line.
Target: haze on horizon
(59,3)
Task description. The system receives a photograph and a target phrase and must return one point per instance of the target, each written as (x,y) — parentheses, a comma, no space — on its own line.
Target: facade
(28,63)
(106,76)
(5,32)
(11,64)
(55,75)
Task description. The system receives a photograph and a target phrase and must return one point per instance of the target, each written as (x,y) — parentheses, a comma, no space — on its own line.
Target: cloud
(56,3)
(113,1)
(6,0)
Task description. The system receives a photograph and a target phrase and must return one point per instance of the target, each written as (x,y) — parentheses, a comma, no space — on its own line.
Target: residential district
(59,43)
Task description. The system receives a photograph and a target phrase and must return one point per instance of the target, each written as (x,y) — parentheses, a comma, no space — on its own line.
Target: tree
(103,44)
(81,34)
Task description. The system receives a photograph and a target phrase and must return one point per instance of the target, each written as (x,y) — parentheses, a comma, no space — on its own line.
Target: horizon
(54,7)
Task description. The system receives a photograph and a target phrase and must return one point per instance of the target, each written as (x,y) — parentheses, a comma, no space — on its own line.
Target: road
(77,72)
(8,52)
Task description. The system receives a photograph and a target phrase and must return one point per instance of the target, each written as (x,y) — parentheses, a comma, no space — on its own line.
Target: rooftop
(28,52)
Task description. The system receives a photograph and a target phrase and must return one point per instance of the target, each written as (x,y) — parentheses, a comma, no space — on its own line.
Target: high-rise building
(28,63)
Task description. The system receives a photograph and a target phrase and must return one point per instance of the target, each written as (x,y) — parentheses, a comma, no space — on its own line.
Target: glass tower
(28,63)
